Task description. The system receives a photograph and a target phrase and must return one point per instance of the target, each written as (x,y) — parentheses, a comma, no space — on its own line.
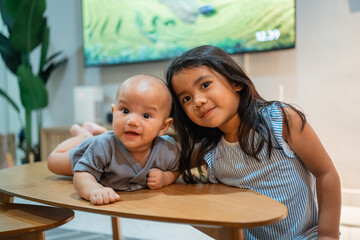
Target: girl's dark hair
(204,139)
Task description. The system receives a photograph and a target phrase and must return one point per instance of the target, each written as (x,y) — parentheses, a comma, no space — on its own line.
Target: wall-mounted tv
(127,31)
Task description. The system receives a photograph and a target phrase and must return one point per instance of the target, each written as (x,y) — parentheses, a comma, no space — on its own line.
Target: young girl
(249,142)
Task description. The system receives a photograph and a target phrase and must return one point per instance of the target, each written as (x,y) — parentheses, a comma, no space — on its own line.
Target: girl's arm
(309,149)
(89,189)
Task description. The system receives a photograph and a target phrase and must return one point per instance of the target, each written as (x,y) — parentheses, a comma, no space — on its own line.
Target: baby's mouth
(131,133)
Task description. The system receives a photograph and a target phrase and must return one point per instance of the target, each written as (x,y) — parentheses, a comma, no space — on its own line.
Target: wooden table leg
(222,233)
(115,222)
(6,198)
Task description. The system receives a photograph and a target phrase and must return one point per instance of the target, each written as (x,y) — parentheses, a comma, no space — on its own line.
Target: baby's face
(139,114)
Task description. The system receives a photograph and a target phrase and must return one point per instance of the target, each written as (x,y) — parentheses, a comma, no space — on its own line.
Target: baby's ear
(112,108)
(167,123)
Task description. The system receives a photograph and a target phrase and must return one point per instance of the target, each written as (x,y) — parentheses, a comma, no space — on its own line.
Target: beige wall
(322,75)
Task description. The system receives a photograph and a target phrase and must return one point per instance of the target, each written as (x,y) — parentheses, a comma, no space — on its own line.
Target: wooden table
(218,210)
(25,221)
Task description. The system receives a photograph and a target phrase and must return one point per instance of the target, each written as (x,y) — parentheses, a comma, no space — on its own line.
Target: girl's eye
(125,111)
(205,85)
(146,115)
(186,99)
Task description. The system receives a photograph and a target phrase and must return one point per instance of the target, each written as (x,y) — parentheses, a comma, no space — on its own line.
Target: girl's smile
(208,112)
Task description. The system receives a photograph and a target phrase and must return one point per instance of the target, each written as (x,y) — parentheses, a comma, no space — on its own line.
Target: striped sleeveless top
(283,177)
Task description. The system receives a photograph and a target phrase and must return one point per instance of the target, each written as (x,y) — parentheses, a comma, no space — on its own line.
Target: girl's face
(208,98)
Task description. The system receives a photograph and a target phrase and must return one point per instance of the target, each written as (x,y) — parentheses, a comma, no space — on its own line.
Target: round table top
(23,218)
(203,204)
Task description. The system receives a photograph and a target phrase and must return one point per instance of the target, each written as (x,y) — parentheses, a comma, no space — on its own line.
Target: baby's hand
(103,195)
(155,179)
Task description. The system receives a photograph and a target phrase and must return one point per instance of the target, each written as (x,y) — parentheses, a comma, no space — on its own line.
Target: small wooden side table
(25,221)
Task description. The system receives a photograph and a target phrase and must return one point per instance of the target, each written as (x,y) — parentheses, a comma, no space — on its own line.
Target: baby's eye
(125,111)
(146,115)
(205,85)
(186,99)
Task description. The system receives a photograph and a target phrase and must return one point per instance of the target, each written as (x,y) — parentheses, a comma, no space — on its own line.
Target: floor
(347,233)
(350,214)
(131,229)
(78,228)
(63,233)
(350,233)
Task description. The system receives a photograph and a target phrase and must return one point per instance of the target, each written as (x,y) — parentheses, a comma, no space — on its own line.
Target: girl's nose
(198,101)
(133,121)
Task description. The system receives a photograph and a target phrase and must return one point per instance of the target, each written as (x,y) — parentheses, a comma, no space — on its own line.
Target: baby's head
(141,111)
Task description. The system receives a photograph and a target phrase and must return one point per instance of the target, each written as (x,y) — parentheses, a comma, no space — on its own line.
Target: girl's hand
(156,179)
(103,195)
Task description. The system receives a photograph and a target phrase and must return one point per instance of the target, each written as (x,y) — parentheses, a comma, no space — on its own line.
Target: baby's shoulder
(107,138)
(166,139)
(166,143)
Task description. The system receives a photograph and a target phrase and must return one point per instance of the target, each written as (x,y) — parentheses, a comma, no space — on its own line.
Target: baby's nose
(132,120)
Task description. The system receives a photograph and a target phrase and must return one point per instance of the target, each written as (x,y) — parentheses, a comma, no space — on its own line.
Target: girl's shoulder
(273,109)
(274,116)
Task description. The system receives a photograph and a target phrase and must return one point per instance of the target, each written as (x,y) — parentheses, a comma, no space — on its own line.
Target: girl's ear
(167,123)
(238,86)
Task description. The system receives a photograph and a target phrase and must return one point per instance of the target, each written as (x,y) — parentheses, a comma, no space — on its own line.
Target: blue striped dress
(283,177)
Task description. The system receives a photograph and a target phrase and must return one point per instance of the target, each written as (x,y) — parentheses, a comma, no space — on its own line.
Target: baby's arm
(89,189)
(308,147)
(158,178)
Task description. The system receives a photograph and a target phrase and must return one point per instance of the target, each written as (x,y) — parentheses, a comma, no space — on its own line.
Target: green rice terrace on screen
(124,31)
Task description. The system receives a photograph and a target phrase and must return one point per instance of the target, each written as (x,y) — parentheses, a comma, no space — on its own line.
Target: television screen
(126,31)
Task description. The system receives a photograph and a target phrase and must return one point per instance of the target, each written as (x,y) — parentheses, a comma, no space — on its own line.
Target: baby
(132,156)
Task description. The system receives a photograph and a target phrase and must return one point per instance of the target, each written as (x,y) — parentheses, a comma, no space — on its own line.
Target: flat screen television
(129,31)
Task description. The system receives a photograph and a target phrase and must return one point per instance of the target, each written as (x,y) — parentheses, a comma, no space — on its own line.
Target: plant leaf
(47,70)
(52,57)
(10,100)
(32,89)
(12,7)
(44,47)
(6,17)
(11,57)
(28,26)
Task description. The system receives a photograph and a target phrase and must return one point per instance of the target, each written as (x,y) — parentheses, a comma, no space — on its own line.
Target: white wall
(328,80)
(321,75)
(328,74)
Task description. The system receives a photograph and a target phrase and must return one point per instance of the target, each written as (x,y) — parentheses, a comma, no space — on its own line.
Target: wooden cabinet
(50,138)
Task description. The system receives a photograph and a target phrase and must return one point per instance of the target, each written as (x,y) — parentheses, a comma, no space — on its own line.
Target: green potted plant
(27,29)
